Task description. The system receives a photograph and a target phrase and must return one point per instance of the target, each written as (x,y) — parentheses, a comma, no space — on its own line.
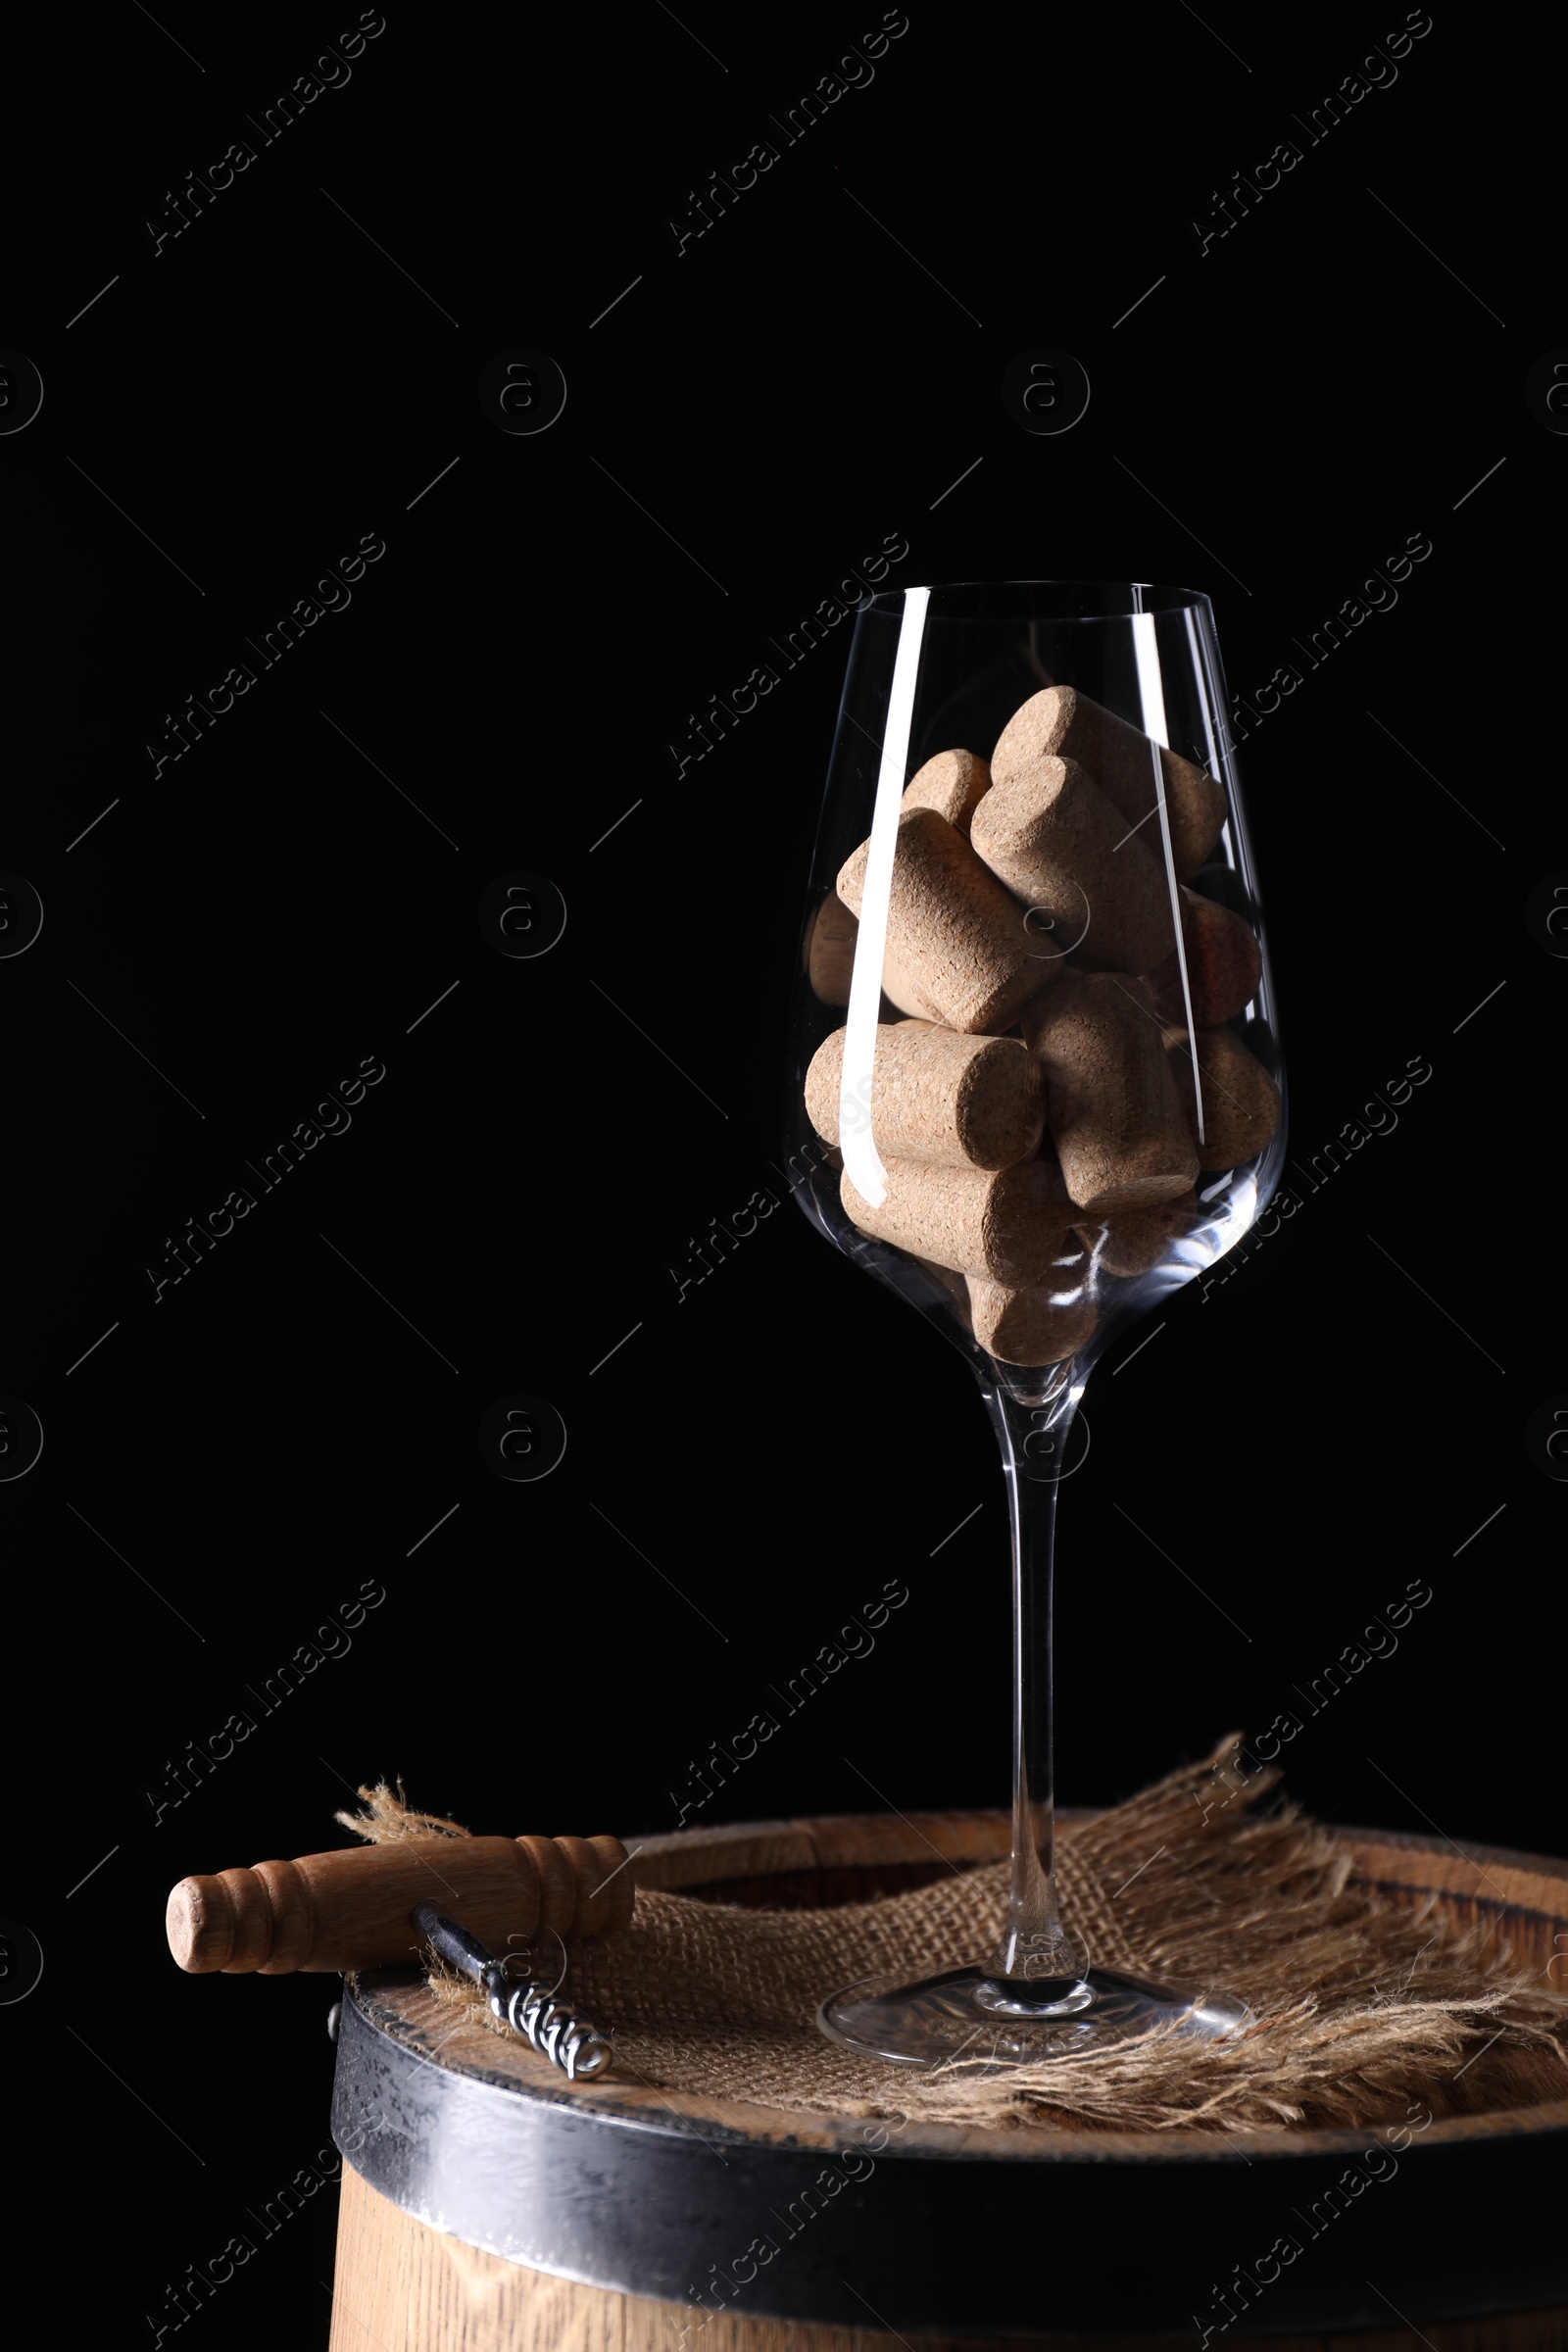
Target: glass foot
(970,2014)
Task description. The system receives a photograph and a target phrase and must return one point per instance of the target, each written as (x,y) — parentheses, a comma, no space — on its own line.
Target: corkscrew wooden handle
(351,1909)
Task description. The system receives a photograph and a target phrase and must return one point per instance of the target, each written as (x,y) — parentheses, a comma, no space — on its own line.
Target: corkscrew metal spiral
(567,2041)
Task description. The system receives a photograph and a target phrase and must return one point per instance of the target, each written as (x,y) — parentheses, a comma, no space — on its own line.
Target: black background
(751,419)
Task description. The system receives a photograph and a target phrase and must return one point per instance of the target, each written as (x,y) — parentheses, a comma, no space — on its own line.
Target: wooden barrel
(489,2203)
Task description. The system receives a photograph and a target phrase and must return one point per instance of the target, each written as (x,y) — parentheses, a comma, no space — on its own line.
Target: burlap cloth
(1366,2009)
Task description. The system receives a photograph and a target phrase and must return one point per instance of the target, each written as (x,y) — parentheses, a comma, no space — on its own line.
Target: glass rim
(1051,600)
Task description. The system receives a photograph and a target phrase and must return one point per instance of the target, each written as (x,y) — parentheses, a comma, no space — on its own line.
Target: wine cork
(1224,964)
(1241,1101)
(1065,722)
(1111,1102)
(952,784)
(829,953)
(1049,833)
(1134,1240)
(830,943)
(952,930)
(954,1285)
(901,992)
(1031,1324)
(898,987)
(1008,1226)
(948,1100)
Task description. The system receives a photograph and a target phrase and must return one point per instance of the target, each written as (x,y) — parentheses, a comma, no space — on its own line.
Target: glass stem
(1036,1949)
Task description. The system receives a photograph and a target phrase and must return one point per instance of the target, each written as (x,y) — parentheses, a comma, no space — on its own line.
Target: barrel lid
(934,2228)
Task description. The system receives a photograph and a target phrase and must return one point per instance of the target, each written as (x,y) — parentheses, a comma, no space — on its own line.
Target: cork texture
(952,784)
(902,993)
(1009,1227)
(1111,1101)
(937,1097)
(1224,964)
(1049,832)
(830,951)
(953,929)
(1134,1240)
(1241,1101)
(1033,1324)
(1063,721)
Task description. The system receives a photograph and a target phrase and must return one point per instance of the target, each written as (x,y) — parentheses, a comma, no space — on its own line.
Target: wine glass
(1033,1088)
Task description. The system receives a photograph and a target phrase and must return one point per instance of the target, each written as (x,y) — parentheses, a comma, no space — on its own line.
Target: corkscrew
(569,2041)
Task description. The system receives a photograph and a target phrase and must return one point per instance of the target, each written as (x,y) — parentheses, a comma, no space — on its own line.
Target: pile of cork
(1034,1109)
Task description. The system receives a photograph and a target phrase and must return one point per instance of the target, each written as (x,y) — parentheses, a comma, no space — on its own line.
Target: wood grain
(349,1909)
(763,1850)
(1525,1896)
(404,2287)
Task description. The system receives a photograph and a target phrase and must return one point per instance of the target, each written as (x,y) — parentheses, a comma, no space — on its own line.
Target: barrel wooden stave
(402,2285)
(462,2298)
